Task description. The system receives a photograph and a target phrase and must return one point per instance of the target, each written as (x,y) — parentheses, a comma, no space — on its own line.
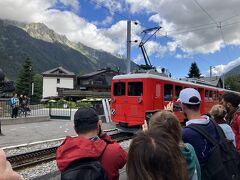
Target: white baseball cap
(189,96)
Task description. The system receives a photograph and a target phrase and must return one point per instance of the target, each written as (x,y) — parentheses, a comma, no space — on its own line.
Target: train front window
(168,91)
(135,89)
(119,89)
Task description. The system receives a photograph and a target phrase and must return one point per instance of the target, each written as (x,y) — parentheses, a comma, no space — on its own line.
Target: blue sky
(205,32)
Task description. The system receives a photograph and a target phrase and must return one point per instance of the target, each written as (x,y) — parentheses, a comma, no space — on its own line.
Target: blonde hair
(218,111)
(165,120)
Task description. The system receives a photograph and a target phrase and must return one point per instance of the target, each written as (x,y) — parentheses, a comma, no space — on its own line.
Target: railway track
(29,159)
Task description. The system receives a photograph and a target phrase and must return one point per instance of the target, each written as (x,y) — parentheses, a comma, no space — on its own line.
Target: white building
(56,78)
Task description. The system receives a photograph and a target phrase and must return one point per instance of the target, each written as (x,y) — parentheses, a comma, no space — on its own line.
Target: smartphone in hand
(177,107)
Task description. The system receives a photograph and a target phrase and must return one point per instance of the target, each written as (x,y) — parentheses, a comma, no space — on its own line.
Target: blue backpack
(12,102)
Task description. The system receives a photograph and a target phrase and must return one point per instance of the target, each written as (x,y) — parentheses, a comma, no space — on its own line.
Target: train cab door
(134,108)
(118,101)
(157,96)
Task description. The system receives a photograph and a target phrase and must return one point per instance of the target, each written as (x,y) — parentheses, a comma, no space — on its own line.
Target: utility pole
(128,46)
(210,72)
(223,80)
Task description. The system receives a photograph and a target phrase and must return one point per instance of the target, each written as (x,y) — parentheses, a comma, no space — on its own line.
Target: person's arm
(6,171)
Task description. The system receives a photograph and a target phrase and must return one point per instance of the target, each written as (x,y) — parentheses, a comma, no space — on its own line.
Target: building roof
(96,73)
(211,81)
(58,72)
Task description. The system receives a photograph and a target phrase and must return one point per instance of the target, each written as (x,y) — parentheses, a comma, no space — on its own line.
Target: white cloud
(223,68)
(112,5)
(179,56)
(74,4)
(155,48)
(108,20)
(76,28)
(179,17)
(24,10)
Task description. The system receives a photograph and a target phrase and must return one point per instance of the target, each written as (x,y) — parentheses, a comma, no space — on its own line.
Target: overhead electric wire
(219,25)
(205,12)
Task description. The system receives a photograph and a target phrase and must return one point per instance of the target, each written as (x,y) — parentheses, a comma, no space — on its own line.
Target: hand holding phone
(169,106)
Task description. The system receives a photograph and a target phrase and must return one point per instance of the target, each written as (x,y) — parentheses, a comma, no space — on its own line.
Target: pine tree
(25,78)
(38,83)
(194,71)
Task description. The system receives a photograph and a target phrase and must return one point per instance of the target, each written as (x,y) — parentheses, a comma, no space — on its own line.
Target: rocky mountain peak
(41,31)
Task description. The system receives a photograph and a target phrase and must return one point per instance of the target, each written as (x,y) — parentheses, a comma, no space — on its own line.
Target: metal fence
(56,110)
(32,110)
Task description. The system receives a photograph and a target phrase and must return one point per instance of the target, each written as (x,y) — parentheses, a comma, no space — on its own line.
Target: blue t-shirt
(203,148)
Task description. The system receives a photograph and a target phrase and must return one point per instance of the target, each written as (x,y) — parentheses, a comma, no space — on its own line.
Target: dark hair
(193,107)
(85,120)
(232,98)
(168,121)
(155,155)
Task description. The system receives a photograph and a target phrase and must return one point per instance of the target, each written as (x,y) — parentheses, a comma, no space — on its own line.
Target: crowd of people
(19,105)
(206,148)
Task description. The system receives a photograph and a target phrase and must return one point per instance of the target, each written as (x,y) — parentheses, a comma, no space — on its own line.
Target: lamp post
(30,83)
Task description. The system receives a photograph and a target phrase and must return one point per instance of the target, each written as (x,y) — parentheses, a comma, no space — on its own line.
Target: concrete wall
(21,120)
(50,85)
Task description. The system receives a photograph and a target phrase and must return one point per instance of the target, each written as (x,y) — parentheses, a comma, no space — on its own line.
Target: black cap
(85,116)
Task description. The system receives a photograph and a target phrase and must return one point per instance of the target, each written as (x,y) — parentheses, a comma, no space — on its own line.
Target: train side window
(177,91)
(135,89)
(206,95)
(214,95)
(210,97)
(119,89)
(168,92)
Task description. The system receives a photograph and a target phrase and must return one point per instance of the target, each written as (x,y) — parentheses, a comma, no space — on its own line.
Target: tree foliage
(233,82)
(194,71)
(28,80)
(38,83)
(25,78)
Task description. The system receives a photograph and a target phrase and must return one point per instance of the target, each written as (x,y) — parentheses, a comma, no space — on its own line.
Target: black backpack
(223,161)
(85,169)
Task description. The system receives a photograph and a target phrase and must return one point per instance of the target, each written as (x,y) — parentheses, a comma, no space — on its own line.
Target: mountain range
(48,50)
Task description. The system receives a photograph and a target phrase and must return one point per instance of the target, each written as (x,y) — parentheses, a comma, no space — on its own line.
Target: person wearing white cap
(191,100)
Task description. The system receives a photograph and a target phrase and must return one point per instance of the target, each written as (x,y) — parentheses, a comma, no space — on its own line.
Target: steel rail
(29,159)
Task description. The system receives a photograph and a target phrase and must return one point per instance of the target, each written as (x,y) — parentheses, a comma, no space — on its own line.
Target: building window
(58,81)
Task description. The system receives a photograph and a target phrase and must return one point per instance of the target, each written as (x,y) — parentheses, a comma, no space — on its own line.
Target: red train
(134,96)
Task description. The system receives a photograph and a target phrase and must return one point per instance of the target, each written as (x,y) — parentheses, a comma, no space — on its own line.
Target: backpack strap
(203,132)
(220,131)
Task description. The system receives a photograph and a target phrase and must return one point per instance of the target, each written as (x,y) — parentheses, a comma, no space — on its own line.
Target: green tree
(38,83)
(25,78)
(194,71)
(233,82)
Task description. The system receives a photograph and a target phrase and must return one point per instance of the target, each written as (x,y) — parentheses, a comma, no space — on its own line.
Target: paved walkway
(32,132)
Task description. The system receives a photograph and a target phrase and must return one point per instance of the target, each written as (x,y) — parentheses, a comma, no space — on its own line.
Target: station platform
(18,134)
